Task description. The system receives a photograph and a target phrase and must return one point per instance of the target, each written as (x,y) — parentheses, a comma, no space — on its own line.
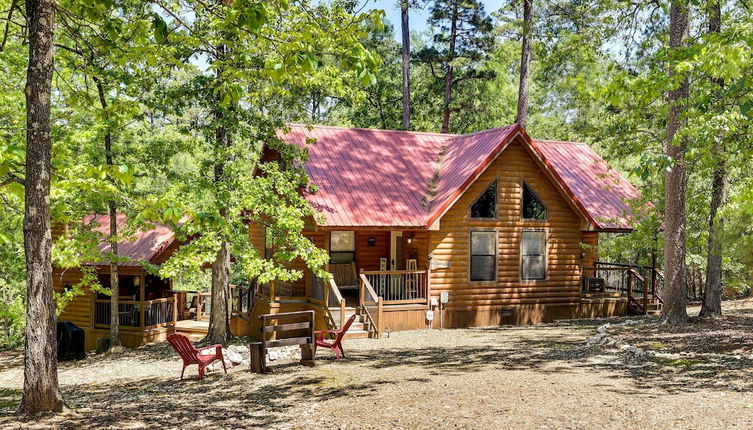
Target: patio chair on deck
(191,355)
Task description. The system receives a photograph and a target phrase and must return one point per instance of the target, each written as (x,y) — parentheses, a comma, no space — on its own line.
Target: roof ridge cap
(339,127)
(568,142)
(475,133)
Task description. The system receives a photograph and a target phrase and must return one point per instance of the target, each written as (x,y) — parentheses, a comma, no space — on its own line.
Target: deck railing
(160,312)
(641,284)
(242,299)
(400,286)
(136,315)
(334,301)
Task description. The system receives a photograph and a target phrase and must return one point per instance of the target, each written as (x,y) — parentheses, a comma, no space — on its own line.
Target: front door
(396,250)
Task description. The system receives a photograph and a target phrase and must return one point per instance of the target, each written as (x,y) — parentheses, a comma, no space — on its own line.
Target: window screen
(533,207)
(483,255)
(533,252)
(342,247)
(486,205)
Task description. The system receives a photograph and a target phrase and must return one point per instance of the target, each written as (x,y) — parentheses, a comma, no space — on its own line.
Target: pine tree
(676,180)
(464,39)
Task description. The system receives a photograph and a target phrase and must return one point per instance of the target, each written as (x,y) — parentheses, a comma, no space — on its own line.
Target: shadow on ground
(241,399)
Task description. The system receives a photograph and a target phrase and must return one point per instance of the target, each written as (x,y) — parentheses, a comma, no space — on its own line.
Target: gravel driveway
(520,377)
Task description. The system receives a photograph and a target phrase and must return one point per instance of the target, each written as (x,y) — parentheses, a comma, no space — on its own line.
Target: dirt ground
(699,376)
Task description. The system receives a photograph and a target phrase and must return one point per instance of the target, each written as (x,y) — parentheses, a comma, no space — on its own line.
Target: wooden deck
(195,330)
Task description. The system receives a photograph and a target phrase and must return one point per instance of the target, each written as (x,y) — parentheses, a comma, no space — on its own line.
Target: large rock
(240,349)
(233,357)
(284,353)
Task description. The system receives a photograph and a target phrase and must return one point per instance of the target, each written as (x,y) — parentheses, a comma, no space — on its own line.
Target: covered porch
(374,272)
(147,310)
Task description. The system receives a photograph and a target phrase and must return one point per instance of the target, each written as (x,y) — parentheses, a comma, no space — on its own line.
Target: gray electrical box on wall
(444,297)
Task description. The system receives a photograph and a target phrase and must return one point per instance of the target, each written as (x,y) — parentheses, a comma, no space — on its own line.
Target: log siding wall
(450,245)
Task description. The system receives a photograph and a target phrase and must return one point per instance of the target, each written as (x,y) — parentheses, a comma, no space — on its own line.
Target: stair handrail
(644,289)
(373,323)
(338,299)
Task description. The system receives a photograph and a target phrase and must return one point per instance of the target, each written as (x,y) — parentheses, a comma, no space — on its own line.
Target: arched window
(486,205)
(533,207)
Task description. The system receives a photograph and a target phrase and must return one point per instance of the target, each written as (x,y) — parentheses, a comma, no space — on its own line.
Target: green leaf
(161,30)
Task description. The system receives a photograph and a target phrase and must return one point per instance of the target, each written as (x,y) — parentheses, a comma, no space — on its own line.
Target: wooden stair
(653,307)
(360,327)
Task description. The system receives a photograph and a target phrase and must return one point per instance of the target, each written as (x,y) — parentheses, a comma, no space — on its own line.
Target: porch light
(410,240)
(371,241)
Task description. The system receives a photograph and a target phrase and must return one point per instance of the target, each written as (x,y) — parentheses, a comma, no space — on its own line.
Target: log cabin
(147,303)
(437,230)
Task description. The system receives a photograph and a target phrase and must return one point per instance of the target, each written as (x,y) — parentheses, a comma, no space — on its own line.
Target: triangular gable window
(486,205)
(533,207)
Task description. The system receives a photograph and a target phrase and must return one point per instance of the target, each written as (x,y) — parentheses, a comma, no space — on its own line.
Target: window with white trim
(533,255)
(483,264)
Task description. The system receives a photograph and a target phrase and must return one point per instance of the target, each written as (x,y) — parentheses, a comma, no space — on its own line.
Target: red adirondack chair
(190,354)
(337,344)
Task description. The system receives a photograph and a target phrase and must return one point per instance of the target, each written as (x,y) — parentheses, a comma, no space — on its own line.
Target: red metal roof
(369,177)
(602,192)
(384,178)
(464,159)
(146,246)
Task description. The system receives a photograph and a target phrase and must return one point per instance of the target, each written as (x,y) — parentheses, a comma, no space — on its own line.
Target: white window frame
(545,255)
(495,231)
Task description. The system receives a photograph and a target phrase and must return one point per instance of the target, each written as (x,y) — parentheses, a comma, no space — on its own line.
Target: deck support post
(653,273)
(428,280)
(175,310)
(360,290)
(380,320)
(342,312)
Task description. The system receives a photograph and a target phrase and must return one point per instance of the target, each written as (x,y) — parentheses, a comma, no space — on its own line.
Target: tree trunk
(219,326)
(675,181)
(712,293)
(406,63)
(525,63)
(114,282)
(112,237)
(449,78)
(218,318)
(41,391)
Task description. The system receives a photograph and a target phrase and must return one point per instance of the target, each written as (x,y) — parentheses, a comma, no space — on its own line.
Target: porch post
(198,306)
(380,320)
(428,280)
(142,297)
(175,310)
(360,289)
(653,272)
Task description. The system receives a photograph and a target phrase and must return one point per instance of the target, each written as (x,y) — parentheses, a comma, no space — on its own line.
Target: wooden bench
(291,328)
